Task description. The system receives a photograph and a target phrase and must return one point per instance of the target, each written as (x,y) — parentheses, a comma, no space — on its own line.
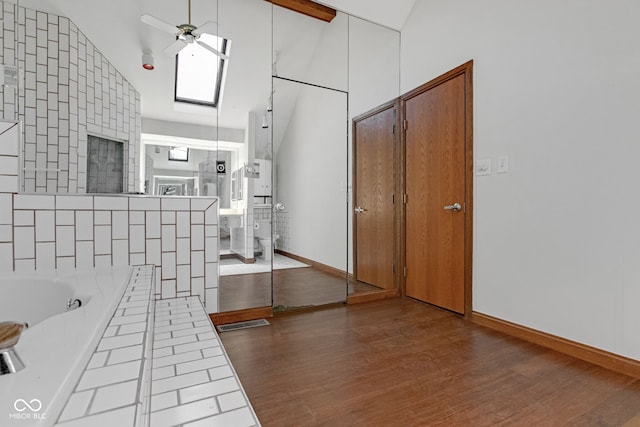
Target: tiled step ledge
(114,388)
(193,381)
(192,384)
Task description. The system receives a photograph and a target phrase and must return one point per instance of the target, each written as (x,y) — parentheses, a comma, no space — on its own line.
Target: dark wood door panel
(374,192)
(435,178)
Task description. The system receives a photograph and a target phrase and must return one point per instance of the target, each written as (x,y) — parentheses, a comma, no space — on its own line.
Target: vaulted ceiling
(115,28)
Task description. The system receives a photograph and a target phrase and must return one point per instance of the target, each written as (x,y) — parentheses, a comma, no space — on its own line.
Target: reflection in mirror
(245,228)
(310,50)
(311,176)
(306,214)
(347,54)
(245,218)
(374,79)
(310,149)
(195,176)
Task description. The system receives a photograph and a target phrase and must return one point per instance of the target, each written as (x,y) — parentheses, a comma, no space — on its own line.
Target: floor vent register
(242,325)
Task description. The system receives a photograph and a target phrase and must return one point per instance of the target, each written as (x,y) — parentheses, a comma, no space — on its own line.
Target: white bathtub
(34,299)
(57,345)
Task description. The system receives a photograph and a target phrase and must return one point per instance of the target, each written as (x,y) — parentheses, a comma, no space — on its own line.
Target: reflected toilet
(267,246)
(262,232)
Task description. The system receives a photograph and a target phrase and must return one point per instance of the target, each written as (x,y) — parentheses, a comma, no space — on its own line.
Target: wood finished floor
(400,362)
(292,288)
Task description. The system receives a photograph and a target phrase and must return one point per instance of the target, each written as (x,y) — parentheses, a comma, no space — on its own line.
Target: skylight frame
(222,64)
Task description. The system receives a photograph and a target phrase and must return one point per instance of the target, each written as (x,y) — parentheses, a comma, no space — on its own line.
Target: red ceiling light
(147,60)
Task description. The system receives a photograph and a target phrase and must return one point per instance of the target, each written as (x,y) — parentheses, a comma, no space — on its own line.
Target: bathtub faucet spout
(73,303)
(9,335)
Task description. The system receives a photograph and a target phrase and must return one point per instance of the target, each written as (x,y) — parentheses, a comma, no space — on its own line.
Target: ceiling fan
(186,33)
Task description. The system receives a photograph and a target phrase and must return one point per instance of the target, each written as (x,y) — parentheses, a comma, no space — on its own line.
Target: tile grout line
(176,308)
(136,275)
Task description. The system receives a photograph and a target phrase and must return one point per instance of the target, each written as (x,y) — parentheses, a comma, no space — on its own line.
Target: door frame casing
(397,187)
(465,70)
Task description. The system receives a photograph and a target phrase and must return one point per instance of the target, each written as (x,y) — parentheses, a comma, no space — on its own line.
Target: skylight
(199,72)
(179,154)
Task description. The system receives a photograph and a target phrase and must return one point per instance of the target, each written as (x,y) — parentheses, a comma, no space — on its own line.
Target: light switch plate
(503,164)
(483,167)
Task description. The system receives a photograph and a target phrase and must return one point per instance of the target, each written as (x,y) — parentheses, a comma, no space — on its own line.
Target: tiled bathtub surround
(179,235)
(114,388)
(66,232)
(59,343)
(69,90)
(193,382)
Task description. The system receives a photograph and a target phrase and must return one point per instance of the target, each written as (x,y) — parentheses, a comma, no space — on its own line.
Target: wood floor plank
(400,362)
(293,288)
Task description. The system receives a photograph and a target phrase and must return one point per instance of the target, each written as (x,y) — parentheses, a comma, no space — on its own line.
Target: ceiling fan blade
(174,48)
(209,27)
(160,24)
(212,50)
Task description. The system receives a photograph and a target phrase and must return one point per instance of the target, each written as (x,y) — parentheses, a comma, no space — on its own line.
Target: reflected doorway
(374,213)
(309,151)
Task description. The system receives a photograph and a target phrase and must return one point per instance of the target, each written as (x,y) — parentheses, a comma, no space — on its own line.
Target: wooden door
(374,240)
(435,152)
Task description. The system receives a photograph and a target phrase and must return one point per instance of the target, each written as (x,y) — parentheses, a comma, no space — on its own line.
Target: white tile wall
(56,232)
(6,209)
(24,218)
(6,233)
(84,225)
(69,90)
(24,245)
(144,204)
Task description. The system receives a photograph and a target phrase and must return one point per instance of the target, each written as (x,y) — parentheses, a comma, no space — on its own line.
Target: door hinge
(404,272)
(404,198)
(393,129)
(393,268)
(405,124)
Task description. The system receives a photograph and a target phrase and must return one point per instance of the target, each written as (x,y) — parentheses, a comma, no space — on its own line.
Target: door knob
(454,207)
(359,210)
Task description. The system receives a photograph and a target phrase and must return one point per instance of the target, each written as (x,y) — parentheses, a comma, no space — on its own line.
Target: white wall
(392,14)
(311,176)
(556,89)
(374,66)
